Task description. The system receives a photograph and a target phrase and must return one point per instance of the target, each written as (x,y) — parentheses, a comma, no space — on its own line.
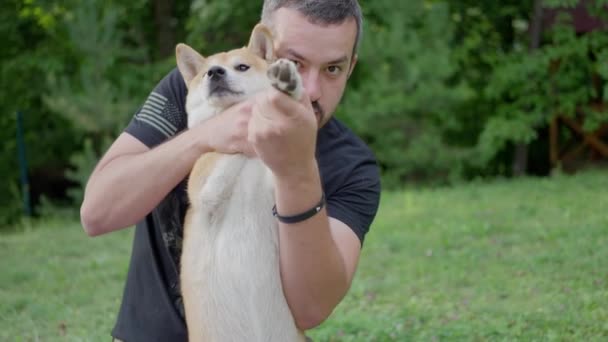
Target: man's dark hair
(319,11)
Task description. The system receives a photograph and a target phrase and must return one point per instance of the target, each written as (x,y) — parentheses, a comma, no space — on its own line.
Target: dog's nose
(216,72)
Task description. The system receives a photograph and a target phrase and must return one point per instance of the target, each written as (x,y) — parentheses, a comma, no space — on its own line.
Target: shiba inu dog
(230,277)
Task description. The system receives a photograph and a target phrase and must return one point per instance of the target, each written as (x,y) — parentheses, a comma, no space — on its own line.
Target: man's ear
(353,62)
(261,43)
(189,62)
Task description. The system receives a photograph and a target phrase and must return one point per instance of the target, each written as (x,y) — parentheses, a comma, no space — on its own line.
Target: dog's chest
(241,193)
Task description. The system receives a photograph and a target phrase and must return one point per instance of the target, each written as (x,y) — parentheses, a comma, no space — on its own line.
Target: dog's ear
(189,62)
(261,43)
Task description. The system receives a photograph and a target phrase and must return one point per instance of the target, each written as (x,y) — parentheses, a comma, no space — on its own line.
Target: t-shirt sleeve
(163,113)
(356,202)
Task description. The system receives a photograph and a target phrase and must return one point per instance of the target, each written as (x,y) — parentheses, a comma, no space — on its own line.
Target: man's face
(323,53)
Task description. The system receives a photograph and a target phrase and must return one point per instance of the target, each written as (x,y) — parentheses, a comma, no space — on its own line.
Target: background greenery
(521,260)
(444,91)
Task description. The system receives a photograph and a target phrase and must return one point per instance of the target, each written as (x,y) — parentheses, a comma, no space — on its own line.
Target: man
(141,177)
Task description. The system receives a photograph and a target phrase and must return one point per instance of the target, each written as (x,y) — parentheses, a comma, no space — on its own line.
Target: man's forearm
(313,271)
(123,189)
(131,179)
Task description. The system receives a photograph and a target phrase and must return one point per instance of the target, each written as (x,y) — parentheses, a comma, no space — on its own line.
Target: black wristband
(303,216)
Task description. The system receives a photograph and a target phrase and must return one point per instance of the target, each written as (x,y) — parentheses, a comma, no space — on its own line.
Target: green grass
(523,260)
(56,284)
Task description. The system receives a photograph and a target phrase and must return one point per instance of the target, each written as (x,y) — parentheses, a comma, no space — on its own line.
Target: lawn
(523,260)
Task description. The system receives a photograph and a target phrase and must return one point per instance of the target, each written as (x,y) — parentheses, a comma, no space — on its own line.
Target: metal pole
(25,184)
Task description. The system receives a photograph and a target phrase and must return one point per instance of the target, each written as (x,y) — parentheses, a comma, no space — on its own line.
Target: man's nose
(312,84)
(216,73)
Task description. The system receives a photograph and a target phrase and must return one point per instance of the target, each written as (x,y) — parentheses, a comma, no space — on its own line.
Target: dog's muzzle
(216,73)
(218,83)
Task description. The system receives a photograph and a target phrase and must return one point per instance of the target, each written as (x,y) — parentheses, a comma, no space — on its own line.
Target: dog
(229,272)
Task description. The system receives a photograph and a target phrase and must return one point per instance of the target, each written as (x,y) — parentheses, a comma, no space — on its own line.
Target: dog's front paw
(284,76)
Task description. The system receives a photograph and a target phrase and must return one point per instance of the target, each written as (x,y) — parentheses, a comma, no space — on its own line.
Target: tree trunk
(520,158)
(165,35)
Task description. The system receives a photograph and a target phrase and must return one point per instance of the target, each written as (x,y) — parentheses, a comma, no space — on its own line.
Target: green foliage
(76,69)
(106,87)
(27,56)
(443,89)
(401,97)
(92,96)
(221,25)
(561,3)
(519,89)
(12,204)
(527,89)
(484,31)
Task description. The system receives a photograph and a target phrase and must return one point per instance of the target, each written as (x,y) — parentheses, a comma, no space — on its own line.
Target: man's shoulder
(336,138)
(172,86)
(163,114)
(350,176)
(344,156)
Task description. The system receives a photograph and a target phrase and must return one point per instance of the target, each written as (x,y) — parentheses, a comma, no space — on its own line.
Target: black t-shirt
(152,308)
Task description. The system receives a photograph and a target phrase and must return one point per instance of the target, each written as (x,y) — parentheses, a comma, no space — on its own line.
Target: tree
(402,96)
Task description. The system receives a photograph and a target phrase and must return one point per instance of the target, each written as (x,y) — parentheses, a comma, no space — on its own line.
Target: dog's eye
(242,67)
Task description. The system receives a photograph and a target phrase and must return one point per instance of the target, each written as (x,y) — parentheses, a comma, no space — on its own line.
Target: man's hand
(317,256)
(283,133)
(228,131)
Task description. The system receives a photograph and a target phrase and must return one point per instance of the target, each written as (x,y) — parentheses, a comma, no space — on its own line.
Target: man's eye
(242,67)
(298,64)
(334,69)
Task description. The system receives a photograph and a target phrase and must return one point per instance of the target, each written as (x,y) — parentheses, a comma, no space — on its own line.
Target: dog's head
(221,80)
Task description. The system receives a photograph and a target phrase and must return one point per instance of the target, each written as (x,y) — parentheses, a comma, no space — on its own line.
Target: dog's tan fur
(230,277)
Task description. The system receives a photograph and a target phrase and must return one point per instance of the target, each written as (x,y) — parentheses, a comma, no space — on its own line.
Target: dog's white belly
(231,265)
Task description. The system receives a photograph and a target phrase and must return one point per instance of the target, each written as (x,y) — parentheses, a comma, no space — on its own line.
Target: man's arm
(131,179)
(319,256)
